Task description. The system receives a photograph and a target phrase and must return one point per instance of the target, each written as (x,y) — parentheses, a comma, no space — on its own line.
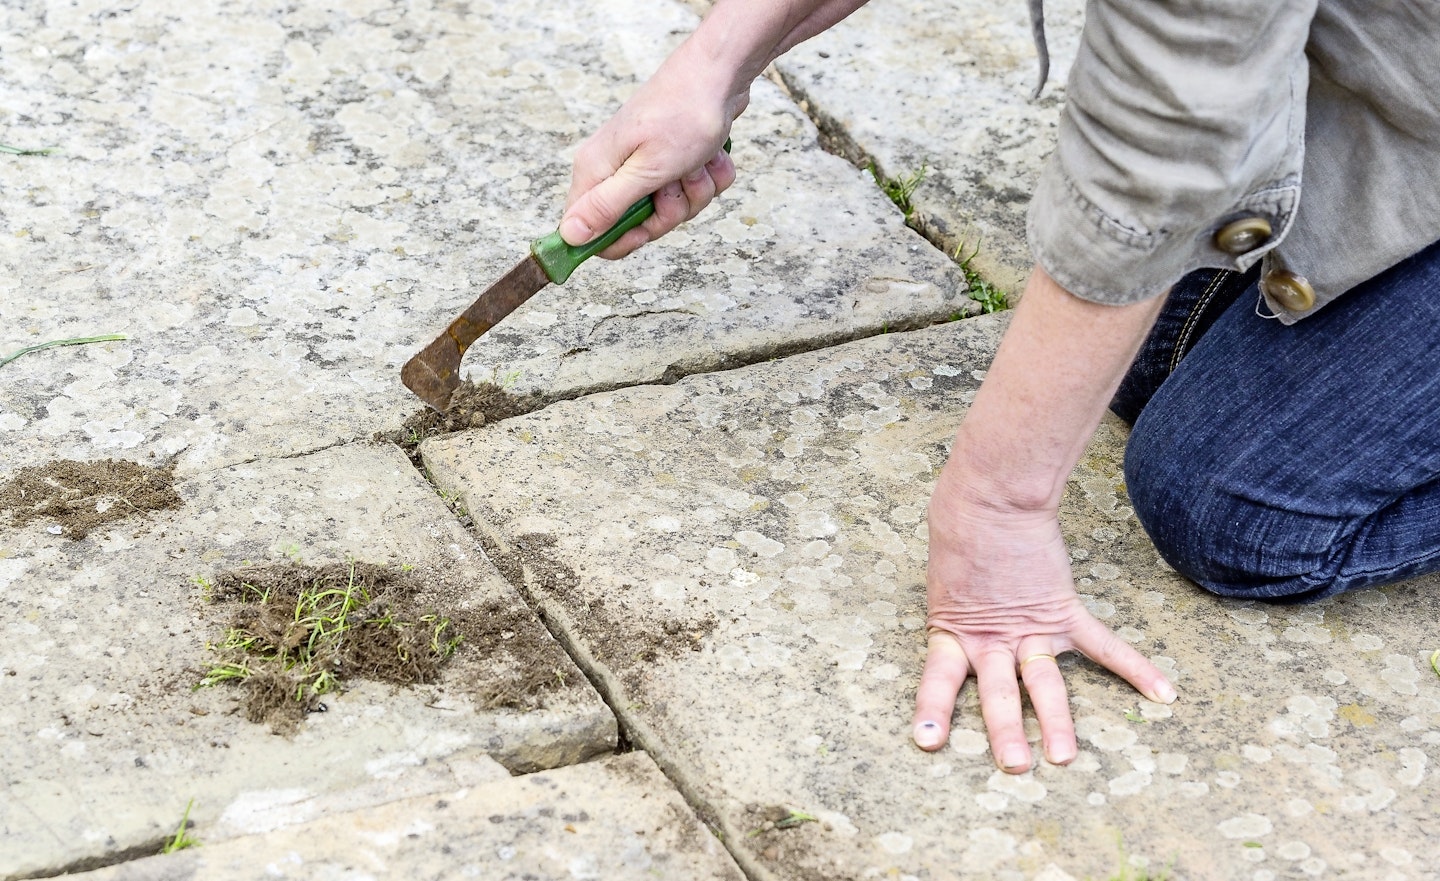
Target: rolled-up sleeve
(1180,118)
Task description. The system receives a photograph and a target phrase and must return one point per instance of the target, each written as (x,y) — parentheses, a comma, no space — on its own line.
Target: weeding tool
(434,373)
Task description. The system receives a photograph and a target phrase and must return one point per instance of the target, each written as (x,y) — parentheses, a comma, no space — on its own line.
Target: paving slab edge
(632,727)
(836,140)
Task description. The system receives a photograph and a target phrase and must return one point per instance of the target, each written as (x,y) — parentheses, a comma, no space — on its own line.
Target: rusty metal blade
(434,373)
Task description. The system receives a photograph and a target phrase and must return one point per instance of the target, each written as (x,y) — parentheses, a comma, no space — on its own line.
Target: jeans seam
(1387,571)
(1193,318)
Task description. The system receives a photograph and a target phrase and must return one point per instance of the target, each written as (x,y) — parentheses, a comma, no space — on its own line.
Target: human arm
(999,584)
(666,139)
(1178,120)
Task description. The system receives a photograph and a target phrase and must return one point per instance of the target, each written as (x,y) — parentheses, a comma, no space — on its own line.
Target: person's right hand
(666,140)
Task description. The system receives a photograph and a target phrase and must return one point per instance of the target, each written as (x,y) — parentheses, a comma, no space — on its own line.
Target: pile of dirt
(366,621)
(791,842)
(294,633)
(80,496)
(471,406)
(526,665)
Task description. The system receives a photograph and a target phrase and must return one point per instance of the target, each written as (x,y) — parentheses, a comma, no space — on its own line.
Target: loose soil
(630,643)
(791,845)
(81,496)
(504,657)
(471,406)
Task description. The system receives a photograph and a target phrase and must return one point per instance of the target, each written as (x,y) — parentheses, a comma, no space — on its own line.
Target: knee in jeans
(1163,490)
(1220,539)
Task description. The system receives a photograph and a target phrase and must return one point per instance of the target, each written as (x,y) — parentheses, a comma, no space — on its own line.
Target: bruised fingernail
(1165,693)
(927,735)
(1014,757)
(575,231)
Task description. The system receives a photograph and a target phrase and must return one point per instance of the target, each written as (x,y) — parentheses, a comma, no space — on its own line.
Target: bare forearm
(1052,378)
(746,35)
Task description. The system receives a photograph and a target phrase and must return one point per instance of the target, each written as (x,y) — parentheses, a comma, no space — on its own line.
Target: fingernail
(927,735)
(1165,693)
(574,230)
(1013,757)
(1059,756)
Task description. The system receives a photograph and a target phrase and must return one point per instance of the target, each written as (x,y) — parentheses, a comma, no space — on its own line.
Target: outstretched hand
(1003,606)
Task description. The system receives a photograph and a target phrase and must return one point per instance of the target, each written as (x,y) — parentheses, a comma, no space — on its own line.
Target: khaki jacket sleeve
(1181,117)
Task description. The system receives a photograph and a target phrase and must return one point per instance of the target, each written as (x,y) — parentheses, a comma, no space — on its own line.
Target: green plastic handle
(559,259)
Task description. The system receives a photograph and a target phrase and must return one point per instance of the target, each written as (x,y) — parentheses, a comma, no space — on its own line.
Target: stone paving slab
(280,203)
(617,818)
(947,86)
(740,559)
(104,740)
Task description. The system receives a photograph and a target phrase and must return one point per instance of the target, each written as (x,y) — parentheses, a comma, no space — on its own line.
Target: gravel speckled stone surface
(103,640)
(616,819)
(279,204)
(740,558)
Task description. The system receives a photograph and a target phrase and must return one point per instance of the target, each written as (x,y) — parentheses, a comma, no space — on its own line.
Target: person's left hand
(1002,604)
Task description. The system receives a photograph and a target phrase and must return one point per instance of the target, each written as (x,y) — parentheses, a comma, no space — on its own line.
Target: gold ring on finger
(1035,657)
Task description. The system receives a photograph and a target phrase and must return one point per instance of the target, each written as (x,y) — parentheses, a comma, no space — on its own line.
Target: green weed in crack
(899,189)
(990,298)
(182,839)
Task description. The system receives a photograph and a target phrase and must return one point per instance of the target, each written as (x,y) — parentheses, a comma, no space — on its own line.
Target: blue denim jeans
(1290,463)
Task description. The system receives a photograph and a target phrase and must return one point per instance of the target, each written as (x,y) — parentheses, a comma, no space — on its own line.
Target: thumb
(600,208)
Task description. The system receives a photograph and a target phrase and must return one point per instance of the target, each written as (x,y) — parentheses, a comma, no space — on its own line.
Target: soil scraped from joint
(81,496)
(294,633)
(626,638)
(471,406)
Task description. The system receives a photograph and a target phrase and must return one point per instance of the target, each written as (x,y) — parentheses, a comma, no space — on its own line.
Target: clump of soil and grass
(81,496)
(471,406)
(296,633)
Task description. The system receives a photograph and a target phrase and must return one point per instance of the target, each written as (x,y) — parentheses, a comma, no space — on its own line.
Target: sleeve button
(1242,235)
(1291,291)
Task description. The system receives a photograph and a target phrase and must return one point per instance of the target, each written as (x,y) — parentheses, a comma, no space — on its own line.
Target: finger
(940,683)
(699,189)
(600,207)
(671,210)
(1046,687)
(591,166)
(1000,705)
(626,244)
(722,171)
(1103,647)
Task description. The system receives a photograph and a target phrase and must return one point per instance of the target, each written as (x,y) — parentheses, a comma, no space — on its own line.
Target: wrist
(988,475)
(737,43)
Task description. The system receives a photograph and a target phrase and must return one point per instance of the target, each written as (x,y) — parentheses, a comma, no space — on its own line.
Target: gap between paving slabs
(622,513)
(130,593)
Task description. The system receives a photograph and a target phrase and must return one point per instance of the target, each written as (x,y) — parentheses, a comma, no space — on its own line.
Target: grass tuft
(298,632)
(23,151)
(182,839)
(899,189)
